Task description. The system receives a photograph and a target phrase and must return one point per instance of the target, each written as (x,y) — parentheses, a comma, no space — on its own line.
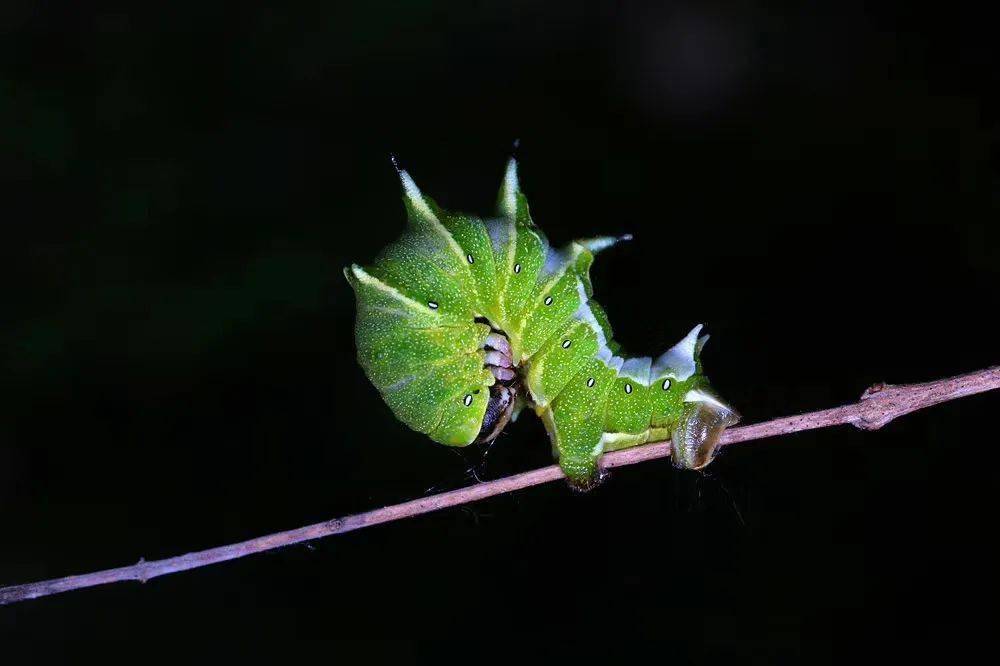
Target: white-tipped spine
(416,197)
(508,201)
(678,361)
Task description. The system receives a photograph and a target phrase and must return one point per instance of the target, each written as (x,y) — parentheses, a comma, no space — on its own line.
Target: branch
(879,405)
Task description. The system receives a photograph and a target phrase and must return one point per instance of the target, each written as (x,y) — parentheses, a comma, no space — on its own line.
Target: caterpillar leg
(504,393)
(575,423)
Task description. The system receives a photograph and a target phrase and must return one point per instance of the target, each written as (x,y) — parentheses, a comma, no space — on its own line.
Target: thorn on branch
(877,407)
(878,387)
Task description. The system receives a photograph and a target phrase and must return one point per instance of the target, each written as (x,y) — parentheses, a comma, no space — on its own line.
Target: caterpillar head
(703,415)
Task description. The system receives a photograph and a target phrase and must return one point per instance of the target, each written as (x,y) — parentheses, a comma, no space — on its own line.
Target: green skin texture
(420,345)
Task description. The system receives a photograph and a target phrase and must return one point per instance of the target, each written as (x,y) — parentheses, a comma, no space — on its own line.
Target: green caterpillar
(464,321)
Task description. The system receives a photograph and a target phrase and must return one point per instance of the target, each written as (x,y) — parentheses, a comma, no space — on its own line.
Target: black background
(183,185)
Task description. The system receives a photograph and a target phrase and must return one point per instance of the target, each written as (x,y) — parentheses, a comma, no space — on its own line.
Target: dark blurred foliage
(183,185)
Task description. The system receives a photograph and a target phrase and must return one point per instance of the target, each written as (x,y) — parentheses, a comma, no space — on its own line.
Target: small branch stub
(881,403)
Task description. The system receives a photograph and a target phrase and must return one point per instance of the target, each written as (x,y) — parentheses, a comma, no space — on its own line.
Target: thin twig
(878,406)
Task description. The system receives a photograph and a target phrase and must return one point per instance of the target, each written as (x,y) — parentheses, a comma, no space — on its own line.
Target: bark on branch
(879,405)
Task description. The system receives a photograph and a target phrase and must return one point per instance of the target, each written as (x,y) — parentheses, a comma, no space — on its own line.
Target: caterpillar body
(464,321)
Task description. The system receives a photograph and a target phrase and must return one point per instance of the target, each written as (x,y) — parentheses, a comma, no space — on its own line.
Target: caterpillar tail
(620,403)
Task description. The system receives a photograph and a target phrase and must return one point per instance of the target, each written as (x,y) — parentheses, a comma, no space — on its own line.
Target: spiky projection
(464,321)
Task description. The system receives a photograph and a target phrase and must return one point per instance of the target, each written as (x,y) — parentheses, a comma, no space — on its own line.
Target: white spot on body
(666,384)
(432,305)
(590,382)
(471,259)
(628,387)
(566,344)
(468,399)
(548,300)
(517,268)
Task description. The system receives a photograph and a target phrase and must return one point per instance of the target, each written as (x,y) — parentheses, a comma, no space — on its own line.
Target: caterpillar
(465,321)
